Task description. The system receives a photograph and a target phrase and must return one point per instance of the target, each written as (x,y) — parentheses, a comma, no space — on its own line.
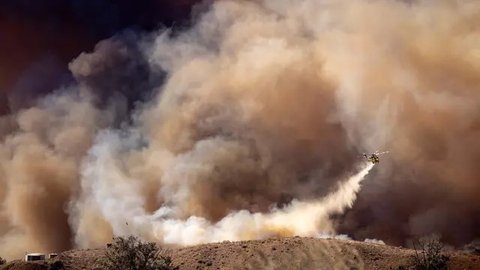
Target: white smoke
(374,241)
(120,202)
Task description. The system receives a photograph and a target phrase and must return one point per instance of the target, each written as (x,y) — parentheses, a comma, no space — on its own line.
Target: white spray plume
(121,204)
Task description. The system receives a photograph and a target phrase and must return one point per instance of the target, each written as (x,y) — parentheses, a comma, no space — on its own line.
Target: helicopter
(374,157)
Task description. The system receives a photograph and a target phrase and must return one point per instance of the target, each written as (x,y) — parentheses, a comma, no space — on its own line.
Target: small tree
(429,254)
(131,254)
(2,261)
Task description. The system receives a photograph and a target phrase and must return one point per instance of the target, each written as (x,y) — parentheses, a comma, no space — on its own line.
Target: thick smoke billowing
(39,38)
(256,114)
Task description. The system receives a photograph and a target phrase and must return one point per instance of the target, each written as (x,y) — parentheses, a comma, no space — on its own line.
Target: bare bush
(429,254)
(56,265)
(131,254)
(2,261)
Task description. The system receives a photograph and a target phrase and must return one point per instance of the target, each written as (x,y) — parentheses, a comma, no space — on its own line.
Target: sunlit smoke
(127,216)
(251,119)
(299,218)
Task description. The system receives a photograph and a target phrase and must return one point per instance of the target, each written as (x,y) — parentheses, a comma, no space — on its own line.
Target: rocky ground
(282,253)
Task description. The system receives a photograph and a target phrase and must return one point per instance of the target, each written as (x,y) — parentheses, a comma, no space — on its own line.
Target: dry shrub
(56,265)
(131,254)
(429,254)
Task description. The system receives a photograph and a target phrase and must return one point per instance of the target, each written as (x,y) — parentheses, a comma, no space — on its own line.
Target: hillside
(282,253)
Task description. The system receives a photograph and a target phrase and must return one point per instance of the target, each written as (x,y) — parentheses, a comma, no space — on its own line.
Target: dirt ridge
(276,253)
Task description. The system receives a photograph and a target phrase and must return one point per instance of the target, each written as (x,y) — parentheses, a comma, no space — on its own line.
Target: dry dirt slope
(284,253)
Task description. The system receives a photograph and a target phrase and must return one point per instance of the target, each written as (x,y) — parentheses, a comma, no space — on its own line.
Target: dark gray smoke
(41,38)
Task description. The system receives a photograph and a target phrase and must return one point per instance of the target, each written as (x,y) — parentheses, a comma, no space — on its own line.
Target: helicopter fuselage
(372,158)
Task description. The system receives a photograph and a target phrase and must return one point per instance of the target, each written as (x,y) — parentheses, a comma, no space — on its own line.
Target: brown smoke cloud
(260,108)
(40,172)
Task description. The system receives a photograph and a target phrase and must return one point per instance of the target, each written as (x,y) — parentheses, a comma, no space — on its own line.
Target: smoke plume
(40,38)
(250,123)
